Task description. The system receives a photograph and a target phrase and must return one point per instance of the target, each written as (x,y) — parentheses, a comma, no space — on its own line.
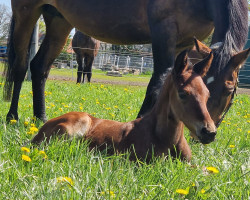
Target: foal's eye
(183,95)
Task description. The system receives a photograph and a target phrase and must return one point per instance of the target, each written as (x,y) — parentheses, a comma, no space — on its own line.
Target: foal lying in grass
(182,100)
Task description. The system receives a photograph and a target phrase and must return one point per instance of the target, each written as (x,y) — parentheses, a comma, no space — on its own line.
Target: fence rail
(136,60)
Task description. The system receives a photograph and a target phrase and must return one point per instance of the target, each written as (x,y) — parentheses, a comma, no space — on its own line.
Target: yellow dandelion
(112,115)
(26,123)
(108,108)
(193,184)
(33,129)
(13,121)
(231,146)
(65,179)
(102,86)
(52,105)
(111,193)
(248,131)
(115,106)
(203,191)
(32,125)
(129,107)
(81,108)
(212,170)
(60,109)
(66,106)
(25,149)
(83,99)
(26,158)
(97,102)
(125,89)
(182,191)
(43,154)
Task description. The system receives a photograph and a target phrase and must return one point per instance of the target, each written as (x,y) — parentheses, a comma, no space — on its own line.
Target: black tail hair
(236,35)
(9,70)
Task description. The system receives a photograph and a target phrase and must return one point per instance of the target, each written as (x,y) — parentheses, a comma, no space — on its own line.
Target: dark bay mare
(85,47)
(169,25)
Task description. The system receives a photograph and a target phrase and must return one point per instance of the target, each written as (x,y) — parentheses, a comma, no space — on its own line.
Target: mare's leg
(79,59)
(163,34)
(20,36)
(88,67)
(57,30)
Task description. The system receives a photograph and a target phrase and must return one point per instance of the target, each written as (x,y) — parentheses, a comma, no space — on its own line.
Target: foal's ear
(238,59)
(202,48)
(203,66)
(181,63)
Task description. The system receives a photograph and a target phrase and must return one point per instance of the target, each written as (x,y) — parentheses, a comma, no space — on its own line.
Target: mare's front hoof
(40,118)
(11,116)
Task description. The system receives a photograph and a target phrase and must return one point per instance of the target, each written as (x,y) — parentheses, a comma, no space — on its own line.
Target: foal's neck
(168,128)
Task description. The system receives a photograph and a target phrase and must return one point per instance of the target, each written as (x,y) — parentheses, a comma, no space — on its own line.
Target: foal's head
(222,83)
(189,97)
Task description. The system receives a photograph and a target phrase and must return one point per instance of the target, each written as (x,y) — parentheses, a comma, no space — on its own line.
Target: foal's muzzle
(206,136)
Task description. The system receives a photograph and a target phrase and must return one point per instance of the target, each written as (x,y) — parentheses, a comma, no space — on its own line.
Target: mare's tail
(9,68)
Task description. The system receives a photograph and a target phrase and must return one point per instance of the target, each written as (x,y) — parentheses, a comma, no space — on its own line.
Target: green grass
(95,175)
(100,75)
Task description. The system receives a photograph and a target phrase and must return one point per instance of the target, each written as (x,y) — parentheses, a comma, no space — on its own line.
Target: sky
(6,2)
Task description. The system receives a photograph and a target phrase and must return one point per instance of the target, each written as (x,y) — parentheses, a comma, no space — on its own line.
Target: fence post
(114,60)
(118,59)
(71,63)
(142,59)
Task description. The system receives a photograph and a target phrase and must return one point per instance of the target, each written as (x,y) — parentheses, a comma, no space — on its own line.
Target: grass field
(99,74)
(67,170)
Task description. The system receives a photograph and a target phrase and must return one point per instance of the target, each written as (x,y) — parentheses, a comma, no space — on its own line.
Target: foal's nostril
(206,131)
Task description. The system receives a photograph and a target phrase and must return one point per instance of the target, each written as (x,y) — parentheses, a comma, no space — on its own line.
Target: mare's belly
(113,21)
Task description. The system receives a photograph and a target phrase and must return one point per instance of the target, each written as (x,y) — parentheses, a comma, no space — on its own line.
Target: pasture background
(96,175)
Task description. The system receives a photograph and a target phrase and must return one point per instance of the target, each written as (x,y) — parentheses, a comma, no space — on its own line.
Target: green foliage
(64,55)
(71,171)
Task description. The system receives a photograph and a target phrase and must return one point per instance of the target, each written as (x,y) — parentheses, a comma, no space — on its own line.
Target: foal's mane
(236,35)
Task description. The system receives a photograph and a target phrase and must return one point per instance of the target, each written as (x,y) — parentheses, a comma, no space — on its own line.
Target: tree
(5,17)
